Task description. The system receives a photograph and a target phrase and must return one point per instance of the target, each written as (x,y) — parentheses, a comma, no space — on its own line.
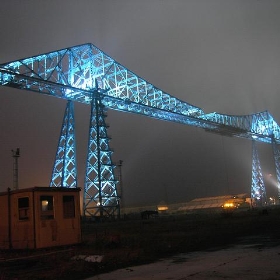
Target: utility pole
(15,155)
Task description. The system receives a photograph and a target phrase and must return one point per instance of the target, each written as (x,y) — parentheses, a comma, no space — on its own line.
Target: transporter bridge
(86,74)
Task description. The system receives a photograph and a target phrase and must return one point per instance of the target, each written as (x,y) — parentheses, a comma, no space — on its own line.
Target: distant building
(39,217)
(215,203)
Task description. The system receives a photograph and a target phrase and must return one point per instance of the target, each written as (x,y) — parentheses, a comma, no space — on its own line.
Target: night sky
(219,55)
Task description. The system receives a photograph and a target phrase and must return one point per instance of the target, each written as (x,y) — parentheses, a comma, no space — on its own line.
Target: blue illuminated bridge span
(86,74)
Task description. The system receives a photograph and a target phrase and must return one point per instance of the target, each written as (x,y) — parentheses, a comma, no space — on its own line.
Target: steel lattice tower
(100,190)
(276,154)
(65,171)
(258,192)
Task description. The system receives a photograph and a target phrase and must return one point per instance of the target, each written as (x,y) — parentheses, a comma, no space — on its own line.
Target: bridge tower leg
(65,171)
(276,154)
(258,192)
(100,190)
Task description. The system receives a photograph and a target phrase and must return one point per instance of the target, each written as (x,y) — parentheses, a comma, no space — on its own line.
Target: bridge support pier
(258,191)
(64,172)
(100,189)
(276,154)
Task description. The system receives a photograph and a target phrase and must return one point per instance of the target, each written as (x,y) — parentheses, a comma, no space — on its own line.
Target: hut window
(68,206)
(47,211)
(23,208)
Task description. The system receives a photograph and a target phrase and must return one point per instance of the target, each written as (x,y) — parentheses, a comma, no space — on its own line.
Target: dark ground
(133,242)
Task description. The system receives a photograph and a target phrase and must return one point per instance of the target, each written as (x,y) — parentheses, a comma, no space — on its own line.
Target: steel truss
(100,191)
(65,170)
(276,153)
(258,191)
(72,74)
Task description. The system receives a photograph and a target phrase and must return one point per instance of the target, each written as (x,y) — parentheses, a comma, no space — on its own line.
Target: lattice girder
(276,154)
(260,126)
(258,191)
(71,73)
(76,69)
(100,190)
(65,170)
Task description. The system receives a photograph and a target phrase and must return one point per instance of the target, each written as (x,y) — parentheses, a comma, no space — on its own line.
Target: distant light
(229,205)
(162,208)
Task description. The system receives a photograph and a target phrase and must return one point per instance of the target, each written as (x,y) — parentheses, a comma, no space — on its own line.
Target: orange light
(162,208)
(229,205)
